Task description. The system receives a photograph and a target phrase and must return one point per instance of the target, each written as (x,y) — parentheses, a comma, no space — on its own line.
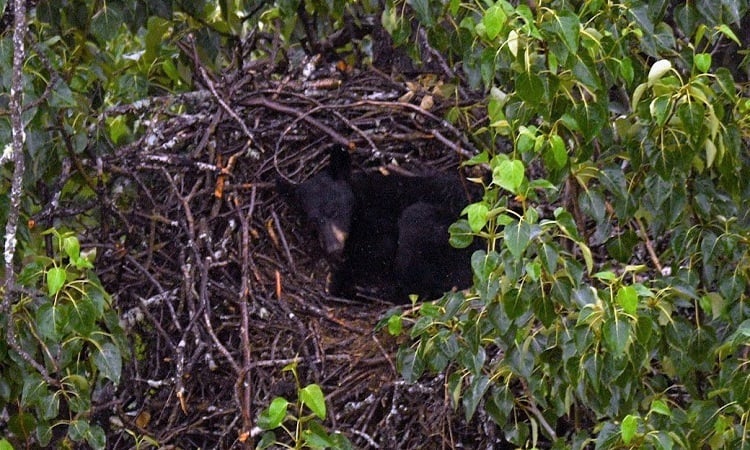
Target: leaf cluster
(610,307)
(68,343)
(308,431)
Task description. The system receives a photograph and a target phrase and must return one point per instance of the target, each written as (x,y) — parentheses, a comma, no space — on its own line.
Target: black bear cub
(385,235)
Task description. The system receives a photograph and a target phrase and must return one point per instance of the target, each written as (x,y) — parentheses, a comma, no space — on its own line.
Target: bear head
(327,200)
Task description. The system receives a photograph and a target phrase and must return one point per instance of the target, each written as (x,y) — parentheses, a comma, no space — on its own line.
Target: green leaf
(312,397)
(267,440)
(627,297)
(410,365)
(534,270)
(526,139)
(638,93)
(108,360)
(474,395)
(315,436)
(586,73)
(663,440)
(49,406)
(742,334)
(78,429)
(692,116)
(423,12)
(567,224)
(461,234)
(724,29)
(5,445)
(44,433)
(96,437)
(22,424)
(52,321)
(558,155)
(626,70)
(544,309)
(530,88)
(494,20)
(339,441)
(83,316)
(72,247)
(477,216)
(591,118)
(660,108)
(616,334)
(56,278)
(606,275)
(568,28)
(658,70)
(517,235)
(80,390)
(34,389)
(106,23)
(395,325)
(710,152)
(660,407)
(509,175)
(702,62)
(273,416)
(628,428)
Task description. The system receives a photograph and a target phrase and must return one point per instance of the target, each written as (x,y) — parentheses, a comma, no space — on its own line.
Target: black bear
(385,234)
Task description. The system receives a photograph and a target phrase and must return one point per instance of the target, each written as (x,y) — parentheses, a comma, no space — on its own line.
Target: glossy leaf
(509,175)
(312,397)
(628,428)
(494,20)
(558,153)
(56,278)
(474,394)
(108,360)
(72,247)
(530,88)
(658,70)
(395,325)
(702,62)
(616,333)
(517,235)
(660,109)
(273,416)
(627,298)
(477,216)
(315,436)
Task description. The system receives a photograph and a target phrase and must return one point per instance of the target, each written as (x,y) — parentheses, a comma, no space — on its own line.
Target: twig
(649,246)
(244,379)
(263,101)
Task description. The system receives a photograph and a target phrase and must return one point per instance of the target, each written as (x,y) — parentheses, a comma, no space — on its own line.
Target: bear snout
(333,240)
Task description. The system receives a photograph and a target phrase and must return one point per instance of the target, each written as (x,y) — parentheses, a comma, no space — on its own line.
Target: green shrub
(306,431)
(611,305)
(68,344)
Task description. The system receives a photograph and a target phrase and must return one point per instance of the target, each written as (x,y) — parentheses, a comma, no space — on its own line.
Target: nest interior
(221,284)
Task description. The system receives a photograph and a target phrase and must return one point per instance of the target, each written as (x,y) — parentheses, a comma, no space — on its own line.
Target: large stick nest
(220,282)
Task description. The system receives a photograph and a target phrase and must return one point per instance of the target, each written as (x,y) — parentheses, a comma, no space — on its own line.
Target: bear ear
(340,163)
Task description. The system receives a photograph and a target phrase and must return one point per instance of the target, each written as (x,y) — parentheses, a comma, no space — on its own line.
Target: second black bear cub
(386,234)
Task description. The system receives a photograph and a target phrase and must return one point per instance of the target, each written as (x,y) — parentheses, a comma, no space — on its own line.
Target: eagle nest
(219,284)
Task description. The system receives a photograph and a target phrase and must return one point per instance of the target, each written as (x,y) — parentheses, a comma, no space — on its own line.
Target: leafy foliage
(308,432)
(616,315)
(64,323)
